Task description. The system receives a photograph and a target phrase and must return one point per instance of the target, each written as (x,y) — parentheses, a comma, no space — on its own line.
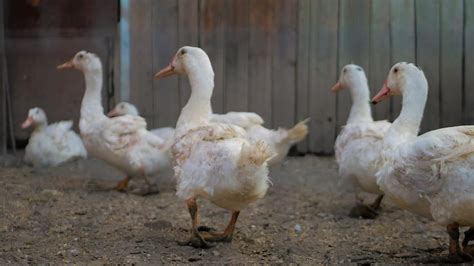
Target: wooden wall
(3,92)
(41,36)
(280,57)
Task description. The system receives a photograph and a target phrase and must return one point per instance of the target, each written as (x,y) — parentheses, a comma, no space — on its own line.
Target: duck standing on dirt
(215,161)
(51,145)
(360,136)
(123,142)
(431,175)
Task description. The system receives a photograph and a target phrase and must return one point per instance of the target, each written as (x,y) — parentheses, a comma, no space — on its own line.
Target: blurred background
(278,58)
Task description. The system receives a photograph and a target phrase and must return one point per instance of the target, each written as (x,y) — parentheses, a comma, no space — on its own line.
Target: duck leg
(455,252)
(147,181)
(145,176)
(151,187)
(468,236)
(366,211)
(226,235)
(196,240)
(376,204)
(122,184)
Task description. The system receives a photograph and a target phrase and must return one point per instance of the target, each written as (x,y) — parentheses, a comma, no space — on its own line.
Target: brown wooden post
(3,105)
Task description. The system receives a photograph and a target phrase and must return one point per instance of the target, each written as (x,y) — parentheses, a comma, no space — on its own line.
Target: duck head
(123,108)
(83,61)
(187,60)
(403,79)
(36,117)
(350,75)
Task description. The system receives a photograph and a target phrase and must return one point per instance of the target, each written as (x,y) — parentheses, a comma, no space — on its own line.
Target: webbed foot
(363,211)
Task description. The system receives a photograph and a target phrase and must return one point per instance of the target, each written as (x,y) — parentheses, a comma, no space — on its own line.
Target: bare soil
(63,215)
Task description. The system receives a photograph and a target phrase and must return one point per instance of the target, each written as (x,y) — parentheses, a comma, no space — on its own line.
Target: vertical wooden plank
(3,98)
(121,92)
(468,107)
(451,68)
(212,39)
(141,58)
(302,66)
(165,39)
(354,44)
(260,58)
(123,87)
(323,74)
(284,63)
(402,25)
(188,27)
(427,57)
(236,55)
(379,53)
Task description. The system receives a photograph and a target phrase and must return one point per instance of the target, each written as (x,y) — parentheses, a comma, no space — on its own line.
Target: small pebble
(216,253)
(74,252)
(298,229)
(51,192)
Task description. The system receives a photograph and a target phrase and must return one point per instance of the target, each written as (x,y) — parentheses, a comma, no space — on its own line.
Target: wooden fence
(280,57)
(38,37)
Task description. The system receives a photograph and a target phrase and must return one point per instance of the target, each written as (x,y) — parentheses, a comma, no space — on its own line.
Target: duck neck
(92,101)
(197,109)
(360,110)
(40,126)
(407,125)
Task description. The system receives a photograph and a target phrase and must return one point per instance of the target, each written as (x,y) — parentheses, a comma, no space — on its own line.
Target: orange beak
(68,64)
(112,113)
(337,87)
(28,122)
(382,95)
(167,71)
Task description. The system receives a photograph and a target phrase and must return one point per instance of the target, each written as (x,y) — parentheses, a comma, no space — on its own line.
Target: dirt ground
(63,216)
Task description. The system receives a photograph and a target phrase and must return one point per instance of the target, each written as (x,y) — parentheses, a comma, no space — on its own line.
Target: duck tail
(256,154)
(298,132)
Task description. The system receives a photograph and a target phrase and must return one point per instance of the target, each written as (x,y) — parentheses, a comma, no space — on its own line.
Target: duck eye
(395,70)
(183,51)
(345,70)
(360,69)
(81,56)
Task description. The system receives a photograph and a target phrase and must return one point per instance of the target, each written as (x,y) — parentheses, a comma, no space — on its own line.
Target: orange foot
(122,185)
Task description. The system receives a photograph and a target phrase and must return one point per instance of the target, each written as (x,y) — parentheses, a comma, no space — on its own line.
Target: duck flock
(224,158)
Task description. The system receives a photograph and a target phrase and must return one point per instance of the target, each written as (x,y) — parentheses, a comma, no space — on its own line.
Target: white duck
(51,145)
(125,108)
(124,141)
(360,135)
(241,119)
(212,160)
(280,141)
(433,174)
